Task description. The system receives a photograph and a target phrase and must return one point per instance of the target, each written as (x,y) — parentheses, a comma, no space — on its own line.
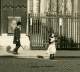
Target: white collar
(17,27)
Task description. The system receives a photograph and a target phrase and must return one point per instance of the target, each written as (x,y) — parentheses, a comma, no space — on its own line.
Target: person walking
(17,37)
(52,47)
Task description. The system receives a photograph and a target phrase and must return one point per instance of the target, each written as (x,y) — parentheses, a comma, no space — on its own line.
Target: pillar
(0,17)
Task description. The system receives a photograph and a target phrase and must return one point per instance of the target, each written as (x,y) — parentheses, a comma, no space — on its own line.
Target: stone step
(7,41)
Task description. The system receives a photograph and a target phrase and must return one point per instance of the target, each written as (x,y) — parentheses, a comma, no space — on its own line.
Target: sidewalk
(41,54)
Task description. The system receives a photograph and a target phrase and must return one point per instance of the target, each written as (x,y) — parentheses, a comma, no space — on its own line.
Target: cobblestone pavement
(12,64)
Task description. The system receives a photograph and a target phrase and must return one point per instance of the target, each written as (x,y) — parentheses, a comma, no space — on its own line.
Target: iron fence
(66,29)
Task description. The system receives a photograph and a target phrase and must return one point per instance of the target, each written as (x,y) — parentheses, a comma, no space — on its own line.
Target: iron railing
(66,29)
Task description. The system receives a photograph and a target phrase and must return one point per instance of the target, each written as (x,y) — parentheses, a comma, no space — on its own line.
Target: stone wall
(7,41)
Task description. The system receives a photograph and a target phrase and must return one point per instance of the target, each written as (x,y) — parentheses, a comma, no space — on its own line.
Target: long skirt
(51,49)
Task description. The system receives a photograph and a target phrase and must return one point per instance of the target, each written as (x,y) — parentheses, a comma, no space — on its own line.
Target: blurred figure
(17,37)
(52,47)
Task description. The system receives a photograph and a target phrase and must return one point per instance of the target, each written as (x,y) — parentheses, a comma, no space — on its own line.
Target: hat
(18,23)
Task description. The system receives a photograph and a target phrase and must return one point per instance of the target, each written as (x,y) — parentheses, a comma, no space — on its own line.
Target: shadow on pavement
(41,57)
(8,49)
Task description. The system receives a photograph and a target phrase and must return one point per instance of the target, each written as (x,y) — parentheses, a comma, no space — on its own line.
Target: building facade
(19,10)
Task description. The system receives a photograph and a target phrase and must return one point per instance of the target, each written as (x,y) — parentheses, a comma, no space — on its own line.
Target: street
(13,64)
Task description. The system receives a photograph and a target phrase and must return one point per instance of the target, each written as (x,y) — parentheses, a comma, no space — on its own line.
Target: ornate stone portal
(18,10)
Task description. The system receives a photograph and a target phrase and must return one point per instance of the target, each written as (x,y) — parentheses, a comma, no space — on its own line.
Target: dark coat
(16,35)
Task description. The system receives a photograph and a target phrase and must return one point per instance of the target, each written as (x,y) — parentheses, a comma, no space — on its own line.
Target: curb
(38,57)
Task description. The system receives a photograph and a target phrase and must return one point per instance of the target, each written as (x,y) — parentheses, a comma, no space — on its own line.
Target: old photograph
(39,36)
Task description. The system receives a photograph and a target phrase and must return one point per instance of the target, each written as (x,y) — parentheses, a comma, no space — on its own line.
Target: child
(51,48)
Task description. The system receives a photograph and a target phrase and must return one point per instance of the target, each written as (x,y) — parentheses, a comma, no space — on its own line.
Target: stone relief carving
(61,6)
(68,6)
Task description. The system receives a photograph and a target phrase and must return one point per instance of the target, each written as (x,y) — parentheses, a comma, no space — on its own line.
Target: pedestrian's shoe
(51,57)
(14,52)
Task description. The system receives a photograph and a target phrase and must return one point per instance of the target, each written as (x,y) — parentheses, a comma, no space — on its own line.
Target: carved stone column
(36,6)
(43,7)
